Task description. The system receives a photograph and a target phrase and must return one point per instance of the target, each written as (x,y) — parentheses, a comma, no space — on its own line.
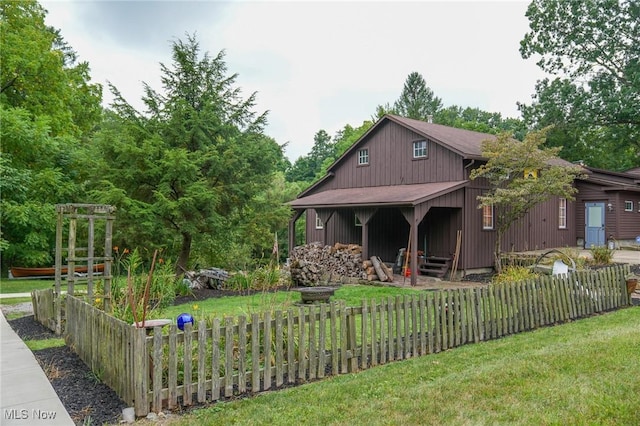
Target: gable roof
(466,143)
(406,195)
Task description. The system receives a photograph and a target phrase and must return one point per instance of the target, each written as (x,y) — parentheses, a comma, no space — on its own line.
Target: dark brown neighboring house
(408,180)
(609,208)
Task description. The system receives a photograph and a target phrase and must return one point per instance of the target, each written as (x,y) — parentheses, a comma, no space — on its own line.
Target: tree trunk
(496,252)
(185,252)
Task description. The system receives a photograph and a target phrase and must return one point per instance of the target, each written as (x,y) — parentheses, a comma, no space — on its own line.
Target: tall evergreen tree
(417,100)
(307,167)
(188,167)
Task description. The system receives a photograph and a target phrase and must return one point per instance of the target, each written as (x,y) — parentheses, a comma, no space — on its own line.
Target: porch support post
(409,214)
(325,216)
(364,215)
(292,229)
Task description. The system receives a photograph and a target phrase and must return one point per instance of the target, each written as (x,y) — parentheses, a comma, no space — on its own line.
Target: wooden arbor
(89,213)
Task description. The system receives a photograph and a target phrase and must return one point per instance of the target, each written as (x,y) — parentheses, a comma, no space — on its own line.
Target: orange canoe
(17,272)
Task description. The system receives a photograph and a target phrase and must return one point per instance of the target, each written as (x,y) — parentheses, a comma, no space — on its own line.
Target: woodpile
(315,264)
(377,270)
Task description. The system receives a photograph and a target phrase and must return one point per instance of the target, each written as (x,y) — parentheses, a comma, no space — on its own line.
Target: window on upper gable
(363,157)
(420,149)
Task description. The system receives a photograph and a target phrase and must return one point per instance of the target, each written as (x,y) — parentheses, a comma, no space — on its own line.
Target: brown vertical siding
(628,222)
(539,229)
(391,162)
(477,244)
(619,223)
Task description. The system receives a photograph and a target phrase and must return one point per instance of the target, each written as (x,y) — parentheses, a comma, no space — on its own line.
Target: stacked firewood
(316,264)
(377,270)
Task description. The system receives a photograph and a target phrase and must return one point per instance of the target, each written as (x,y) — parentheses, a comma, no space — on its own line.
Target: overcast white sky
(314,65)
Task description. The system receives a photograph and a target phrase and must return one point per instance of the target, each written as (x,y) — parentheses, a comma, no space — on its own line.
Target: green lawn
(24,286)
(584,372)
(247,305)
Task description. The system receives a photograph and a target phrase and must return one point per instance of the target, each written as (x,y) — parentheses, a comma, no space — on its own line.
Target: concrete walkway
(26,396)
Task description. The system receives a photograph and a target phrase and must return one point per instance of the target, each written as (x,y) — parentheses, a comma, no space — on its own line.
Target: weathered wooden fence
(44,304)
(104,343)
(216,359)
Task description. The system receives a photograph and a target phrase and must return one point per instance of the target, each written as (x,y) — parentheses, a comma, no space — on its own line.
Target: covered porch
(385,219)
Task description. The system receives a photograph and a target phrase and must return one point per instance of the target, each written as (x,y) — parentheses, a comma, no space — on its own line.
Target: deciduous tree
(48,107)
(512,193)
(592,48)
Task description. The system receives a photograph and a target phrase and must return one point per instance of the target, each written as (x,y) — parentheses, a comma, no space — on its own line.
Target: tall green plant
(192,164)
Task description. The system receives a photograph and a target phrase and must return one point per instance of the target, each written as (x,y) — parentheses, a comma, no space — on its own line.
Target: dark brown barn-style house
(406,183)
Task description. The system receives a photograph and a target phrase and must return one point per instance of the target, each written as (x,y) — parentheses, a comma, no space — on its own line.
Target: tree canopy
(593,50)
(190,167)
(512,193)
(417,100)
(48,107)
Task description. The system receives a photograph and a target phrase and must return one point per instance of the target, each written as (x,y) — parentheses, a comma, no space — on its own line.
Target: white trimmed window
(319,224)
(487,217)
(419,149)
(628,206)
(363,157)
(562,213)
(358,223)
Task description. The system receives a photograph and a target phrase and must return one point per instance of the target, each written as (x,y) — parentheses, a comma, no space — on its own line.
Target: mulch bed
(86,398)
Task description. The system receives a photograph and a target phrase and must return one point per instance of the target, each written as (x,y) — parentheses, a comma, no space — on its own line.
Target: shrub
(512,274)
(261,279)
(602,255)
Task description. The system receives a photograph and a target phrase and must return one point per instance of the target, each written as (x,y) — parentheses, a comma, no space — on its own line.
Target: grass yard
(25,286)
(584,372)
(260,302)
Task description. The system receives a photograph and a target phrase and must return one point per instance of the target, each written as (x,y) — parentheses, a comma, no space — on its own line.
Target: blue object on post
(184,319)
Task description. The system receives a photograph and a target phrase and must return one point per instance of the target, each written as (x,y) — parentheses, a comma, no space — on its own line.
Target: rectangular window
(487,217)
(358,223)
(319,223)
(419,149)
(562,213)
(628,206)
(363,157)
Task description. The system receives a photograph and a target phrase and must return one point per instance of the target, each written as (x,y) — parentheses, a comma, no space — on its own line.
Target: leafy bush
(602,255)
(512,274)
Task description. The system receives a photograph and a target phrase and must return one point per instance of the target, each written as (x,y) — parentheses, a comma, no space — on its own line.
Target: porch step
(435,266)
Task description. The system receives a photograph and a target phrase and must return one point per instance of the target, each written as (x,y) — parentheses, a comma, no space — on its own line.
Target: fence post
(140,372)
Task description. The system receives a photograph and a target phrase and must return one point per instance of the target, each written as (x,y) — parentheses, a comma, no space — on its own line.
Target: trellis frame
(91,213)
